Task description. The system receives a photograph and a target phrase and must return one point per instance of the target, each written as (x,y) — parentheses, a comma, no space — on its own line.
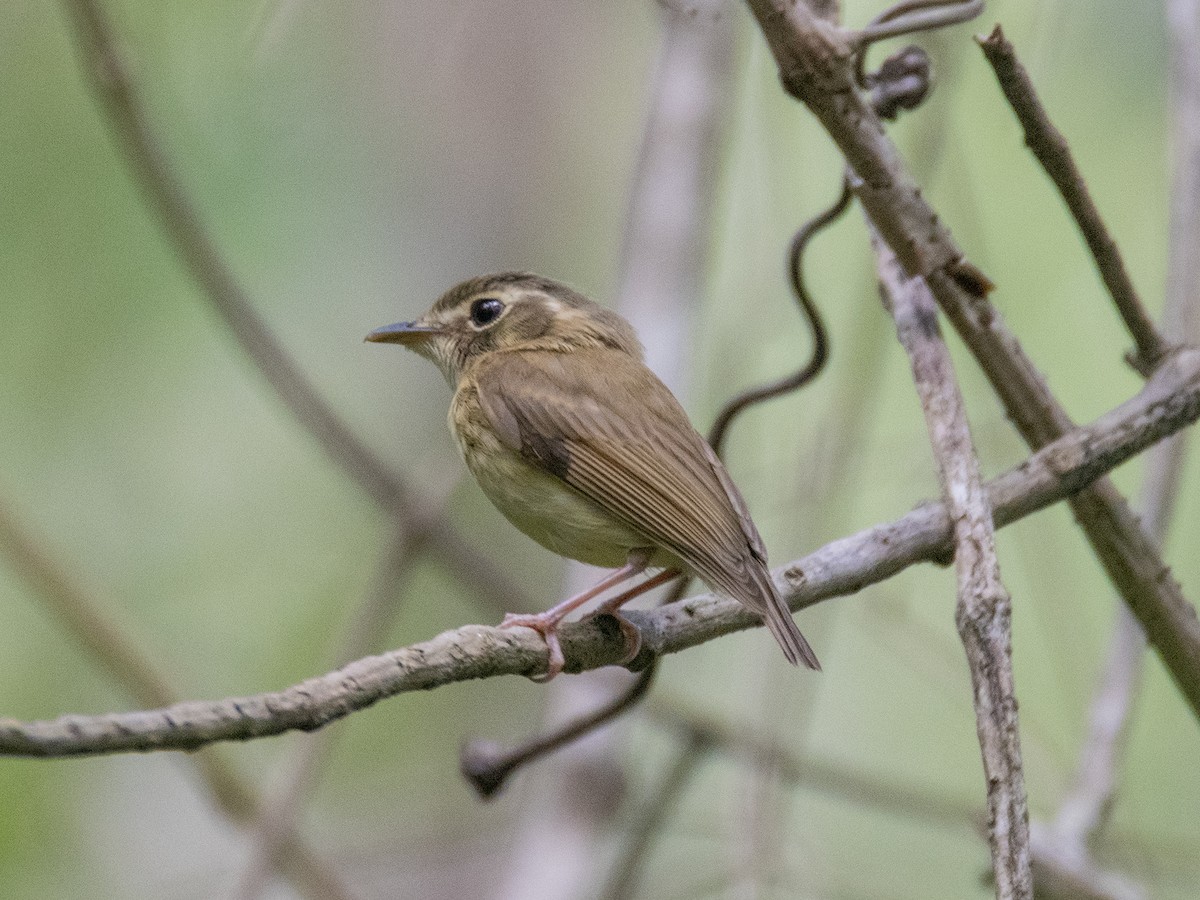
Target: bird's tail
(778,619)
(787,634)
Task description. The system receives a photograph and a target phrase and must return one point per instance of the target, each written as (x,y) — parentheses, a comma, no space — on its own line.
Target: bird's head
(510,311)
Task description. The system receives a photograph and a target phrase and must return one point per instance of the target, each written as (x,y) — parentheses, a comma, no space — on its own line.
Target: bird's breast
(539,504)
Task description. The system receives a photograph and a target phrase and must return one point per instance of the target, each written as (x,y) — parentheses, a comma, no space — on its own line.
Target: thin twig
(109,76)
(488,766)
(815,67)
(820,350)
(88,620)
(984,609)
(1051,149)
(1169,401)
(913,16)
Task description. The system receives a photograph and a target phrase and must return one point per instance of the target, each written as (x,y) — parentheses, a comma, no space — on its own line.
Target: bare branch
(984,610)
(1169,401)
(488,766)
(1051,149)
(1087,806)
(815,67)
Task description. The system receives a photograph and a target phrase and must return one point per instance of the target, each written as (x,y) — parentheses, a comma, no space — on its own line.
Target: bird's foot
(630,632)
(547,626)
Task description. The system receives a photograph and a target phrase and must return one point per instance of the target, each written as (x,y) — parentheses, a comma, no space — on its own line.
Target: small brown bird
(581,447)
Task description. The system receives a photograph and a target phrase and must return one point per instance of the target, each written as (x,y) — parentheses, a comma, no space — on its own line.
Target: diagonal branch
(1087,806)
(815,65)
(1169,401)
(984,611)
(84,616)
(1050,147)
(109,77)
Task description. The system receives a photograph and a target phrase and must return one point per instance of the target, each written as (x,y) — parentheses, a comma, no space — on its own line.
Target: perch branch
(1169,401)
(85,617)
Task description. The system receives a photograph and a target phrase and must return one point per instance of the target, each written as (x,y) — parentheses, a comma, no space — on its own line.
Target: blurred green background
(354,160)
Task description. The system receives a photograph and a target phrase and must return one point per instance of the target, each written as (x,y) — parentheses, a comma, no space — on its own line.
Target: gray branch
(984,609)
(815,66)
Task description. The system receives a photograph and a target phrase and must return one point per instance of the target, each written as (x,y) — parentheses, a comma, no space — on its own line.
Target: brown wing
(606,426)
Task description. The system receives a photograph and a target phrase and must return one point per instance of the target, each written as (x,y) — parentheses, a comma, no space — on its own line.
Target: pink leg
(547,622)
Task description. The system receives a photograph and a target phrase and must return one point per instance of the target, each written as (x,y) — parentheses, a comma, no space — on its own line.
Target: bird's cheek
(442,354)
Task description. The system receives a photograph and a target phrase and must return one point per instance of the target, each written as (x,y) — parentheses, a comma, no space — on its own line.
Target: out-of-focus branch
(833,779)
(109,76)
(279,813)
(1169,401)
(89,622)
(661,271)
(627,869)
(816,67)
(1086,807)
(1050,147)
(984,609)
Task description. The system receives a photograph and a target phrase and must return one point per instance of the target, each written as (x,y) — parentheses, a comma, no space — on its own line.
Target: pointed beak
(407,333)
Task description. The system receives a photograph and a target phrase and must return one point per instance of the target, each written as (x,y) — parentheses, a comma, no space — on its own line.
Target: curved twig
(820,351)
(488,766)
(913,16)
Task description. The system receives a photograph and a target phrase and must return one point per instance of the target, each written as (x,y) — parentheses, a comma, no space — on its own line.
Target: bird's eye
(485,311)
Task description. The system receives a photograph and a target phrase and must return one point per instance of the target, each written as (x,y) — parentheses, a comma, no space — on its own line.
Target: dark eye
(485,311)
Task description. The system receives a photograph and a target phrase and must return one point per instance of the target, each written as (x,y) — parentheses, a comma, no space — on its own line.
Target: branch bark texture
(984,610)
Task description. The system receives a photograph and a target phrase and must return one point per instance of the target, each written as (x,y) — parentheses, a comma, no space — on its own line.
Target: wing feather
(624,442)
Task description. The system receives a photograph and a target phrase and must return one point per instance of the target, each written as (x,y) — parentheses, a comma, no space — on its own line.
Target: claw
(630,632)
(546,624)
(547,627)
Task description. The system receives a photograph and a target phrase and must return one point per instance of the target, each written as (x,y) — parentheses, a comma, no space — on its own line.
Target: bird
(581,447)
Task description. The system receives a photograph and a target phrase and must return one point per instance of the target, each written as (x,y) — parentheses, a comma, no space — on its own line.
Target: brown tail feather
(778,618)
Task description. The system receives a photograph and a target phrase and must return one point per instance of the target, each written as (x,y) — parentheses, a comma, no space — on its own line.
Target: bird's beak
(407,333)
